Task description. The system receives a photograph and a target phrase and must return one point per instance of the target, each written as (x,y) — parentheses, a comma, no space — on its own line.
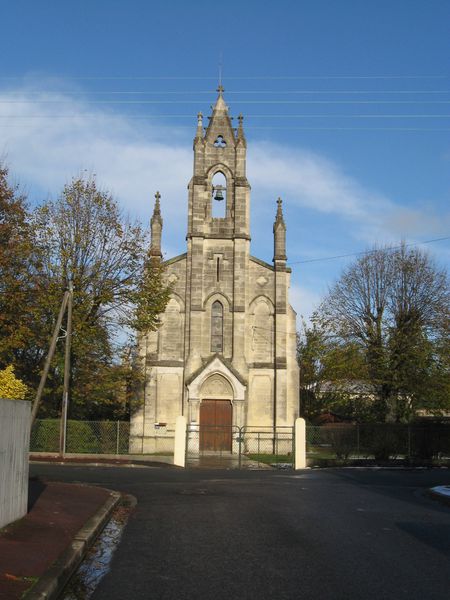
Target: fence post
(300,444)
(118,437)
(240,445)
(179,455)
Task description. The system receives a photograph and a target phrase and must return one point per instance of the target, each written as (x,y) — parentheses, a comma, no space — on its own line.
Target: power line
(134,102)
(321,129)
(209,92)
(295,128)
(248,116)
(364,252)
(236,78)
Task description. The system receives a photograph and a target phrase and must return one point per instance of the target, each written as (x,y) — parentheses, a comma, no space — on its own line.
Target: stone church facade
(225,352)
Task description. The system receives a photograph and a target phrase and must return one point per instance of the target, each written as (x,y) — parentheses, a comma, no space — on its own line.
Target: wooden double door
(216,425)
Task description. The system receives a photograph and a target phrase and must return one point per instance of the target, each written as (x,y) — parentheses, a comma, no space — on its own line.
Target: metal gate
(251,447)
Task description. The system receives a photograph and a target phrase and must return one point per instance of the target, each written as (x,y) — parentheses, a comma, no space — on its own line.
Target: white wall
(14,446)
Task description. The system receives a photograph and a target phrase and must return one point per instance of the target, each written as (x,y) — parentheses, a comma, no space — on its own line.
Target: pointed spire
(279,219)
(240,131)
(157,207)
(220,105)
(279,231)
(199,132)
(156,224)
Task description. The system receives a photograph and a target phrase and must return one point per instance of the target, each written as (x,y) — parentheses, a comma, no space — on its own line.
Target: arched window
(219,196)
(217,327)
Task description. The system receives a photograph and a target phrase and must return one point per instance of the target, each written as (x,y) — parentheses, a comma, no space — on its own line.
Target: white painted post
(179,455)
(300,444)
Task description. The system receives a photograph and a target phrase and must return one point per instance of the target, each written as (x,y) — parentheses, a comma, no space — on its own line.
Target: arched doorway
(216,415)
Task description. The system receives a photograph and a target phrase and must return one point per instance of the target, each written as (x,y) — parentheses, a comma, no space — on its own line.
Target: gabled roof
(224,361)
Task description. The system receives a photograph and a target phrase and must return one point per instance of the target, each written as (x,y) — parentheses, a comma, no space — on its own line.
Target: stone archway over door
(216,418)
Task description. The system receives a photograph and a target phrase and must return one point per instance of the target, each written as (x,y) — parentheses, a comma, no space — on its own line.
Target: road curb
(52,582)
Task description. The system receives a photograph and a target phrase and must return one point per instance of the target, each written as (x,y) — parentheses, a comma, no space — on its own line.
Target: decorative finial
(220,89)
(240,131)
(157,209)
(199,132)
(279,218)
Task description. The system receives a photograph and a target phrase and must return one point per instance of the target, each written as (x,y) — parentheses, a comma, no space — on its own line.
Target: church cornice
(263,263)
(175,259)
(219,236)
(164,363)
(261,365)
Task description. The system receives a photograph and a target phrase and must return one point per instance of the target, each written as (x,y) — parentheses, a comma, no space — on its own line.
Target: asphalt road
(330,534)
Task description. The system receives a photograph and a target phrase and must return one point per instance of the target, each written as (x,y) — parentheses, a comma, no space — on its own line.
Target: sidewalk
(39,552)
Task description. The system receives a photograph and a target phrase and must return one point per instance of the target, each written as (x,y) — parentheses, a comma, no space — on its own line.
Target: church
(225,351)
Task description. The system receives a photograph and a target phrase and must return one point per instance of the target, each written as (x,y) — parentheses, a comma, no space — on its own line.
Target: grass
(270,459)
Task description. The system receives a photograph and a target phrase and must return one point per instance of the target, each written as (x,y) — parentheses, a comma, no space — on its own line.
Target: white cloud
(309,180)
(131,158)
(134,157)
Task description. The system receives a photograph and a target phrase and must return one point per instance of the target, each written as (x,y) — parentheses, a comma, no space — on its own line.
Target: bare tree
(394,305)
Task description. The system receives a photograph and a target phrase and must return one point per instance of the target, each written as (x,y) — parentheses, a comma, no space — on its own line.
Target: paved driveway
(336,534)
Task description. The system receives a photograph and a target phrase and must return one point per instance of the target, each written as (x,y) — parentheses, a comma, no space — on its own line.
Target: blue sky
(346,106)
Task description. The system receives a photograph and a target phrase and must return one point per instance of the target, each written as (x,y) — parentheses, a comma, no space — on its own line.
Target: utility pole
(65,398)
(48,360)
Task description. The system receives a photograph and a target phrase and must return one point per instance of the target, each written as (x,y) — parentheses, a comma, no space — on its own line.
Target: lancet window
(217,327)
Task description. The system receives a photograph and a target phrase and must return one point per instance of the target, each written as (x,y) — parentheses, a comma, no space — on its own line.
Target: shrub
(11,388)
(384,440)
(342,439)
(45,436)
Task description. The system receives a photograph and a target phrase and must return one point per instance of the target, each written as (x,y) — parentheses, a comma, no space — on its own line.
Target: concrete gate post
(179,454)
(300,444)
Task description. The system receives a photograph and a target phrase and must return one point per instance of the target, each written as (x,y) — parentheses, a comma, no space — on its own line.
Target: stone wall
(14,446)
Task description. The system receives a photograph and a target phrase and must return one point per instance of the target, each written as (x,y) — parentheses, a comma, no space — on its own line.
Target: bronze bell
(218,193)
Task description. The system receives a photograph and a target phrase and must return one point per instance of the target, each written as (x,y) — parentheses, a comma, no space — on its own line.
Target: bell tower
(219,177)
(218,237)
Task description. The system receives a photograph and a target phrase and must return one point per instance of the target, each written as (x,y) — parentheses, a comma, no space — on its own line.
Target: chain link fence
(83,437)
(239,447)
(379,442)
(252,447)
